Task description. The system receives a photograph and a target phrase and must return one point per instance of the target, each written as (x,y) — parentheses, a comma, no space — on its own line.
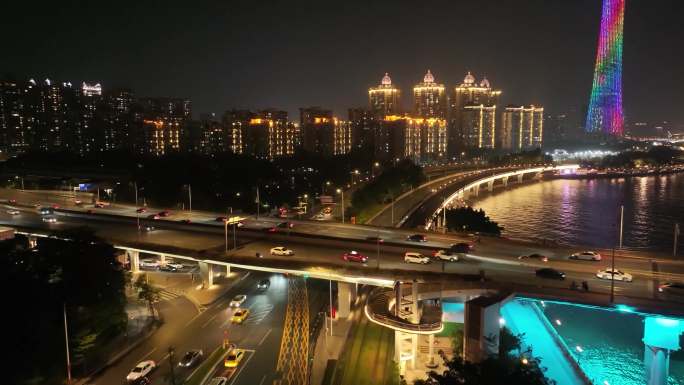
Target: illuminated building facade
(270,135)
(235,123)
(605,113)
(463,106)
(14,126)
(479,126)
(385,99)
(419,139)
(163,120)
(363,124)
(429,98)
(522,128)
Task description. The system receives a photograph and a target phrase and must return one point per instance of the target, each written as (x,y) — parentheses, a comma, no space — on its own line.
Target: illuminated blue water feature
(607,344)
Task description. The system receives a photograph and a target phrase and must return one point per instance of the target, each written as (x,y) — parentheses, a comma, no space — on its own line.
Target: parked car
(587,255)
(151,263)
(239,316)
(550,273)
(673,288)
(461,247)
(539,257)
(238,300)
(354,256)
(417,238)
(616,275)
(264,284)
(191,358)
(233,358)
(280,250)
(411,257)
(141,370)
(446,255)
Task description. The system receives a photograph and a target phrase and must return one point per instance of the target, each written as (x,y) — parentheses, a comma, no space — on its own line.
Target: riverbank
(619,173)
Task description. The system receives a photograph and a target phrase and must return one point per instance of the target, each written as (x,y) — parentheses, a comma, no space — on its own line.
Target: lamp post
(190,196)
(341,192)
(172,352)
(66,340)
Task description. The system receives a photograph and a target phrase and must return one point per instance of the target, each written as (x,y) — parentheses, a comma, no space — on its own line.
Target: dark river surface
(586,212)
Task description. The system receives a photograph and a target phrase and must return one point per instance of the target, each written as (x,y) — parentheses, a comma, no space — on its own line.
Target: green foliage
(469,219)
(147,293)
(655,157)
(82,274)
(524,157)
(392,182)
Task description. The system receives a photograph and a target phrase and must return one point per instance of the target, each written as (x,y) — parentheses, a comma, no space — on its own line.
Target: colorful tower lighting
(605,105)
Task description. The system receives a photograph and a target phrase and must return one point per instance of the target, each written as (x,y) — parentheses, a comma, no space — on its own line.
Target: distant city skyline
(293,58)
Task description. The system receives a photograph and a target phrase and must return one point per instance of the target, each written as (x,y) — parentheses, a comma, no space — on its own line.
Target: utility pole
(676,238)
(257,202)
(172,351)
(622,216)
(66,340)
(392,210)
(331,308)
(190,195)
(135,186)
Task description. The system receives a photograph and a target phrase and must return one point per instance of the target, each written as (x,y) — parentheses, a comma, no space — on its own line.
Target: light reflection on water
(586,212)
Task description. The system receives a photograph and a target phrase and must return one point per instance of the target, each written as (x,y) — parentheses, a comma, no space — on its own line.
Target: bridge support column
(504,180)
(134,260)
(482,326)
(32,241)
(476,190)
(415,317)
(431,351)
(227,271)
(207,274)
(520,178)
(345,297)
(661,336)
(162,259)
(405,349)
(465,194)
(538,176)
(490,186)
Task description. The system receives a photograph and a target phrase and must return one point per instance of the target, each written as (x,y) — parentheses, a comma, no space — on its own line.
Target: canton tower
(605,105)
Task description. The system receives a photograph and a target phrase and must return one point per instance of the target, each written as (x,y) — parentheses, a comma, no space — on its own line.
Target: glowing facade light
(605,105)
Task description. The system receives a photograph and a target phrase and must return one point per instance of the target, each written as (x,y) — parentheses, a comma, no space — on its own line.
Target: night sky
(291,54)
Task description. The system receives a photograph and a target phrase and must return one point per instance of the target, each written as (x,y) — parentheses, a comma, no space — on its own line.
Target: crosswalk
(170,294)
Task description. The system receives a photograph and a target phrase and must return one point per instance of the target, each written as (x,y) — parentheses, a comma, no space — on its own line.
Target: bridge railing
(377,310)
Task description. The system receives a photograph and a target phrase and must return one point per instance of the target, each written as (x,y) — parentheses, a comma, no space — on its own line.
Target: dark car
(221,219)
(186,221)
(153,216)
(99,205)
(45,211)
(168,269)
(141,381)
(375,239)
(536,256)
(191,358)
(417,238)
(147,228)
(672,288)
(264,284)
(461,247)
(141,210)
(164,213)
(271,229)
(286,225)
(550,273)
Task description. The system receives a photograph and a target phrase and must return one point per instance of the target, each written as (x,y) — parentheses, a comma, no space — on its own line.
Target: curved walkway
(378,310)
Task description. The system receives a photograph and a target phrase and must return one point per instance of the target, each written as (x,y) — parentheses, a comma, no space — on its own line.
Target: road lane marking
(262,380)
(210,319)
(147,355)
(235,377)
(264,337)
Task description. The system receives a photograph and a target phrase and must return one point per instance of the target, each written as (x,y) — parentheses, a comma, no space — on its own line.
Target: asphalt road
(186,329)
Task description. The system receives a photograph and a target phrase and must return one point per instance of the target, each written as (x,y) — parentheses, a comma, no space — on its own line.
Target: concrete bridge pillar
(162,259)
(520,178)
(661,336)
(227,271)
(476,190)
(405,350)
(207,274)
(465,194)
(345,297)
(134,260)
(415,317)
(490,186)
(504,180)
(32,241)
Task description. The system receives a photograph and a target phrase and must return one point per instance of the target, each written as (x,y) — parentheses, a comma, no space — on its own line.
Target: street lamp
(172,352)
(341,192)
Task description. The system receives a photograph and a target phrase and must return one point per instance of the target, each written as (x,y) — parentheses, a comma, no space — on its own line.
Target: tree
(147,293)
(469,219)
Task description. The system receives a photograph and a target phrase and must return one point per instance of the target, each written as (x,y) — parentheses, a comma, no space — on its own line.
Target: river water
(586,212)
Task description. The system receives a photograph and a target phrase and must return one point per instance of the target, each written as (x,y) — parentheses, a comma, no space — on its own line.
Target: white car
(50,219)
(280,250)
(416,258)
(13,212)
(153,263)
(175,265)
(238,300)
(447,255)
(616,275)
(141,370)
(587,256)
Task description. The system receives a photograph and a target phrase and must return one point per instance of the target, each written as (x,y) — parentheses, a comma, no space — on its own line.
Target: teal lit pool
(607,344)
